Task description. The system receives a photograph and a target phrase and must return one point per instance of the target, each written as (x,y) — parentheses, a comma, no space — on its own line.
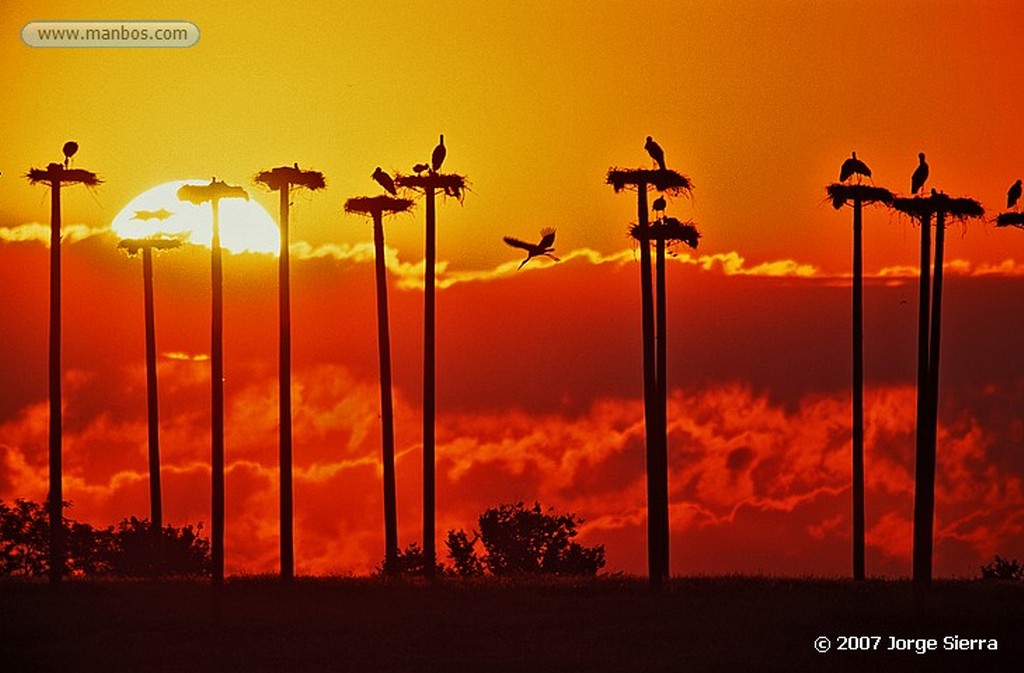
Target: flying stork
(654,149)
(920,175)
(385,181)
(535,249)
(69,149)
(1013,195)
(853,166)
(437,157)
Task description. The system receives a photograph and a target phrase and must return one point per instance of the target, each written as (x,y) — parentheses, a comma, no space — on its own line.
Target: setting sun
(245,225)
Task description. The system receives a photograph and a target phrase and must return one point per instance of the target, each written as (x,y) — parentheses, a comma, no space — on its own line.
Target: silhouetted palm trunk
(57,175)
(925,492)
(858,392)
(386,403)
(281,179)
(651,418)
(285,397)
(375,207)
(429,388)
(153,409)
(217,406)
(56,497)
(660,457)
(924,466)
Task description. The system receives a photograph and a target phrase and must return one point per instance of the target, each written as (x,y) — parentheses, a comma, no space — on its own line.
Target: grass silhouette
(610,624)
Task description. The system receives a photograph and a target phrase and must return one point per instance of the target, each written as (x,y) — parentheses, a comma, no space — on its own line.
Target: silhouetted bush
(409,562)
(1002,569)
(462,552)
(130,550)
(136,552)
(521,540)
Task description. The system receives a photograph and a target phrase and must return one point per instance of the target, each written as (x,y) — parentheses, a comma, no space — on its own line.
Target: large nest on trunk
(57,172)
(667,229)
(924,207)
(449,184)
(371,205)
(134,245)
(664,180)
(1010,220)
(284,177)
(200,194)
(841,194)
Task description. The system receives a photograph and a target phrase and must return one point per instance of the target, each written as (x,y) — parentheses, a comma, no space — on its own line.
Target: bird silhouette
(853,166)
(654,149)
(419,168)
(920,175)
(69,149)
(1013,195)
(437,157)
(385,181)
(535,249)
(145,215)
(659,205)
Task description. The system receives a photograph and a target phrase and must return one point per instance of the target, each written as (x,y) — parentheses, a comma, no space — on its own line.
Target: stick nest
(663,180)
(283,177)
(923,207)
(1010,220)
(450,184)
(667,229)
(133,245)
(199,194)
(841,194)
(372,205)
(57,172)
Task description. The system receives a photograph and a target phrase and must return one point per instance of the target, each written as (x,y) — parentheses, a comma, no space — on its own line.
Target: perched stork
(385,181)
(659,205)
(437,157)
(419,168)
(853,166)
(1013,195)
(535,249)
(920,175)
(654,149)
(69,149)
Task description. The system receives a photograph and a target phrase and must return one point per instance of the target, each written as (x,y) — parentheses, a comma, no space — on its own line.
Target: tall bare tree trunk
(153,409)
(429,481)
(651,419)
(660,466)
(924,468)
(285,398)
(925,486)
(55,502)
(858,393)
(217,409)
(386,404)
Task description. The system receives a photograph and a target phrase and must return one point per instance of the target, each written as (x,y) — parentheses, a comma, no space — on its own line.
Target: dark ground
(701,624)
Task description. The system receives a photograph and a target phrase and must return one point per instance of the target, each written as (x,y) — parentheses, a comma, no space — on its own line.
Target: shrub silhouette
(521,540)
(1002,569)
(130,550)
(409,562)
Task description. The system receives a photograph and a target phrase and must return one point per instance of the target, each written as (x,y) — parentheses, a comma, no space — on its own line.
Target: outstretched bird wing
(548,237)
(516,243)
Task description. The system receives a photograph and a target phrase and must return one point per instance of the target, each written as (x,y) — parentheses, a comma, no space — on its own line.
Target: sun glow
(245,226)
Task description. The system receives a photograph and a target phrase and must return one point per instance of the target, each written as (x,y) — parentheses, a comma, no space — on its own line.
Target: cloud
(33,232)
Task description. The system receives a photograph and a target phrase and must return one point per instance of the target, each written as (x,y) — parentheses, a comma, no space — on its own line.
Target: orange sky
(758,102)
